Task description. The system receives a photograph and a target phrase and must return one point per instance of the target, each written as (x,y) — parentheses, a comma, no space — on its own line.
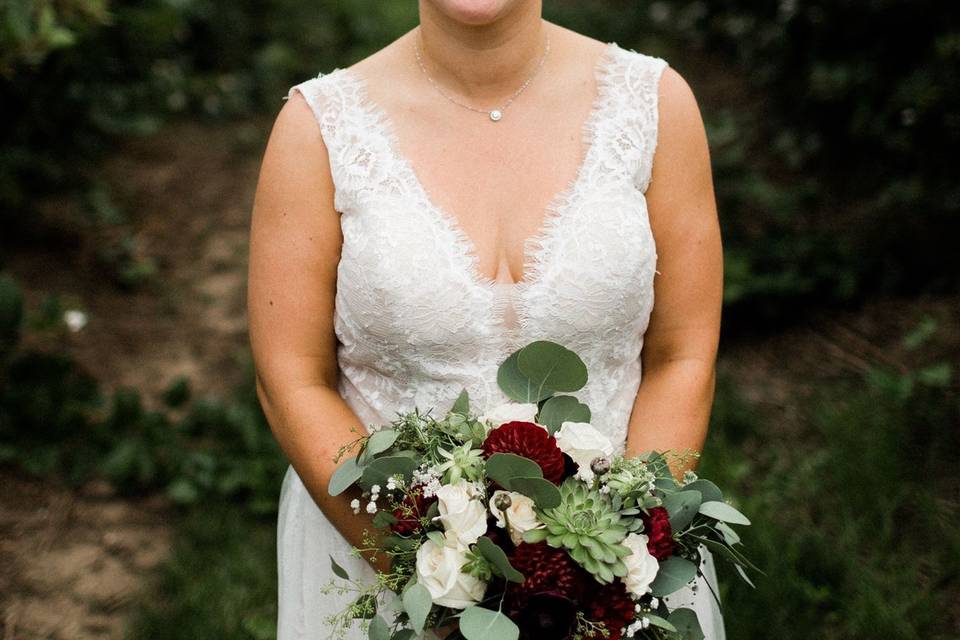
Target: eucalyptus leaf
(707,489)
(728,552)
(657,621)
(379,629)
(417,603)
(338,571)
(381,469)
(502,468)
(378,442)
(682,507)
(731,536)
(498,560)
(559,409)
(723,512)
(462,404)
(477,623)
(743,574)
(544,493)
(345,475)
(517,385)
(383,519)
(687,624)
(674,574)
(552,366)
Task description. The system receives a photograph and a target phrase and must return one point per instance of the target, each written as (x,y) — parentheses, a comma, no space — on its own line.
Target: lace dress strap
(639,76)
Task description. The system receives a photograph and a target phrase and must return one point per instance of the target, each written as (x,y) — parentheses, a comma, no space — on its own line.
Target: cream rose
(641,566)
(582,442)
(520,515)
(462,513)
(438,569)
(510,412)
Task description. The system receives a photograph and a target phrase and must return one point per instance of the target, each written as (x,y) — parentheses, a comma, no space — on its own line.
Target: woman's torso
(416,317)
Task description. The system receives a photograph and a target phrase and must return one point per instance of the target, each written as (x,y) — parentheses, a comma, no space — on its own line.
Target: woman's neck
(481,60)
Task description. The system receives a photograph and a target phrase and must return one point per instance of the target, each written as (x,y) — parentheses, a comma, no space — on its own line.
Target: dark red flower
(530,441)
(411,510)
(547,571)
(656,525)
(611,605)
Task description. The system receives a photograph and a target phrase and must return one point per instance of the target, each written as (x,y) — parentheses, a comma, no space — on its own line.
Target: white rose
(582,442)
(520,515)
(461,512)
(641,566)
(438,569)
(510,412)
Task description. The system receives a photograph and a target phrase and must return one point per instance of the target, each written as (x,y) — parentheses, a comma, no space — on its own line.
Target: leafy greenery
(853,522)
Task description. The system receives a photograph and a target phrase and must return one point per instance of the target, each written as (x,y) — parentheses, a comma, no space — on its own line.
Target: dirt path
(72,561)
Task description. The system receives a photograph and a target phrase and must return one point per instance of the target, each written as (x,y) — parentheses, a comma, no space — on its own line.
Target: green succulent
(461,462)
(587,524)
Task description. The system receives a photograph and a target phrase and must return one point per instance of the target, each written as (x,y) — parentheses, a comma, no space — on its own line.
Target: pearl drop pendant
(495,115)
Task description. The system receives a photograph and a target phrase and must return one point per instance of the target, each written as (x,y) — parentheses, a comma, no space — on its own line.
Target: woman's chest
(407,276)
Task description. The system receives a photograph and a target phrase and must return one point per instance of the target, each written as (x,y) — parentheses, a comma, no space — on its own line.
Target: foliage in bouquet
(526,521)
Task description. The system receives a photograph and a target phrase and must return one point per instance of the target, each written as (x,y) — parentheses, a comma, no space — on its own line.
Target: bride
(487,179)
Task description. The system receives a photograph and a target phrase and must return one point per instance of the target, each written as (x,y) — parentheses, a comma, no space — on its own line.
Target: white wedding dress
(417,322)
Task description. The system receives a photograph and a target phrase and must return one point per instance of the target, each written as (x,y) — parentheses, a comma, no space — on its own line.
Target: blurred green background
(139,479)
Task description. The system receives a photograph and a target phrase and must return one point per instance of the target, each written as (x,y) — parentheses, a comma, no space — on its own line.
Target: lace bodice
(415,319)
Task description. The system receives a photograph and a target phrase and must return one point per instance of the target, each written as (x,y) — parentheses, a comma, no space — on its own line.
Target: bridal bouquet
(522,523)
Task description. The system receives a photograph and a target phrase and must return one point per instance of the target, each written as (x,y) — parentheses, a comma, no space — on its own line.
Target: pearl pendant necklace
(495,115)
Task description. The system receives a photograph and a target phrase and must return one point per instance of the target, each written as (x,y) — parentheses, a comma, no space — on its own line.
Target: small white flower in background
(689,476)
(463,515)
(375,489)
(74,319)
(642,567)
(582,442)
(520,515)
(355,505)
(510,412)
(438,569)
(391,483)
(371,507)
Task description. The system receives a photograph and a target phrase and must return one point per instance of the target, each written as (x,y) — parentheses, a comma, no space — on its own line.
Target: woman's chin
(473,12)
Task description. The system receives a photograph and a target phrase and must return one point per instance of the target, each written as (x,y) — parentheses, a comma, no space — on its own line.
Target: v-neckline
(534,261)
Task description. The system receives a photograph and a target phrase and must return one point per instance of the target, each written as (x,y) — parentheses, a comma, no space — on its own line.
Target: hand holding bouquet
(523,523)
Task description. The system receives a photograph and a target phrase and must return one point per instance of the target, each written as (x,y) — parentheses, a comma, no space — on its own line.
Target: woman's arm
(673,404)
(295,242)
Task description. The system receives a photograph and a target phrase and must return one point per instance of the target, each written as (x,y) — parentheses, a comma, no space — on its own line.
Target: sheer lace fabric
(417,322)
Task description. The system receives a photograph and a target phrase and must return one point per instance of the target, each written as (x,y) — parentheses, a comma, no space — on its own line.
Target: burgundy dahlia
(530,441)
(611,605)
(656,525)
(547,571)
(411,510)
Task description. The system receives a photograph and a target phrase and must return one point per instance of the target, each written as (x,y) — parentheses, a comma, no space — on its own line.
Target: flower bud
(502,501)
(600,465)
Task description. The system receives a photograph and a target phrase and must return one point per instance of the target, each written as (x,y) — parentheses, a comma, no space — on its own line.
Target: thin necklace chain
(493,114)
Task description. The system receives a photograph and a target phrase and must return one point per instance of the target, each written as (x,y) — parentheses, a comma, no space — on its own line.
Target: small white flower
(654,603)
(355,505)
(371,507)
(645,621)
(375,489)
(74,319)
